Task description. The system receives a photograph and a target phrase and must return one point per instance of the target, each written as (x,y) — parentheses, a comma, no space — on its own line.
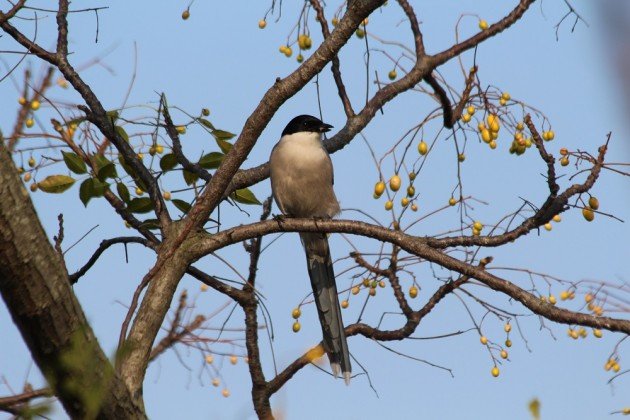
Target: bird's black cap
(306,123)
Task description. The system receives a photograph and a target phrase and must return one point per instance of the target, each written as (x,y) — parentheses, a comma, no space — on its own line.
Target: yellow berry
(413,292)
(166,195)
(296,326)
(593,203)
(477,225)
(504,354)
(582,332)
(597,333)
(366,282)
(470,109)
(492,144)
(495,371)
(209,359)
(502,102)
(233,359)
(520,126)
(296,313)
(394,183)
(508,343)
(548,226)
(564,151)
(392,75)
(414,207)
(216,382)
(365,22)
(181,129)
(139,191)
(185,14)
(140,155)
(262,23)
(423,148)
(564,295)
(335,21)
(557,218)
(552,299)
(344,304)
(564,161)
(550,135)
(616,368)
(381,284)
(205,112)
(304,42)
(355,290)
(466,118)
(461,157)
(379,188)
(360,33)
(481,126)
(572,333)
(507,327)
(452,201)
(27,177)
(34,187)
(225,392)
(22,100)
(411,191)
(389,205)
(288,51)
(588,297)
(485,135)
(588,214)
(31,162)
(299,58)
(483,339)
(29,122)
(493,123)
(35,105)
(483,24)
(625,411)
(203,287)
(159,149)
(404,201)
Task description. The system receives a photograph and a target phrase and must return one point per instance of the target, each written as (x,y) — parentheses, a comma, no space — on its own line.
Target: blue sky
(219,59)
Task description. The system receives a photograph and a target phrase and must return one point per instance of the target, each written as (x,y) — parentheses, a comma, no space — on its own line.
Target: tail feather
(320,271)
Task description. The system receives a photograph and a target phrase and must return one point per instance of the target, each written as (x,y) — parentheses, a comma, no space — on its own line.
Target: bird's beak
(324,128)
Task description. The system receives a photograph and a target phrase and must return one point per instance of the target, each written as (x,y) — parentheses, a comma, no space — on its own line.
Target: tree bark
(34,285)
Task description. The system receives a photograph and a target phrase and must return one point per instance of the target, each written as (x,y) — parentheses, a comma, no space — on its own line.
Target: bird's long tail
(320,270)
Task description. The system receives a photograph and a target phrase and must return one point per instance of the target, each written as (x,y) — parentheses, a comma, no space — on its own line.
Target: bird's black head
(306,124)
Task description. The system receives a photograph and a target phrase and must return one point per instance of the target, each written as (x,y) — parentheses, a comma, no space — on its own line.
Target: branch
(8,403)
(419,246)
(104,245)
(335,67)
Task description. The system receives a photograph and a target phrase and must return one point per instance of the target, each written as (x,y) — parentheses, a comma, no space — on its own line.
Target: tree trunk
(34,285)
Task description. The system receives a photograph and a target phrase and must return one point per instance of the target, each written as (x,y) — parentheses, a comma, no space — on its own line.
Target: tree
(103,148)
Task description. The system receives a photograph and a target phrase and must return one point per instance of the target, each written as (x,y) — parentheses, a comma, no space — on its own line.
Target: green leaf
(211,160)
(90,188)
(122,133)
(224,145)
(189,177)
(140,205)
(126,166)
(113,114)
(168,162)
(150,224)
(244,196)
(206,123)
(74,162)
(105,168)
(56,184)
(183,206)
(123,192)
(223,135)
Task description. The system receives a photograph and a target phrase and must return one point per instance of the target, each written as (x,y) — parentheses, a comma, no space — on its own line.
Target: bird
(302,186)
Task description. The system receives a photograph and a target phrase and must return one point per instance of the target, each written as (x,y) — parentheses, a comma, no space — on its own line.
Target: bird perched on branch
(302,184)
